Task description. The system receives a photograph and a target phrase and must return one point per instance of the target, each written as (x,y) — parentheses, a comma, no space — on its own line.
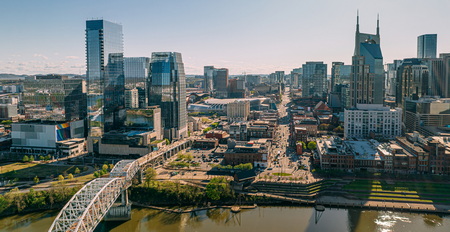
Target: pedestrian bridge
(92,202)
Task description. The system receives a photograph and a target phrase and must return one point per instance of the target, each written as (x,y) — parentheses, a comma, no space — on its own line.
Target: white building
(40,137)
(238,111)
(372,120)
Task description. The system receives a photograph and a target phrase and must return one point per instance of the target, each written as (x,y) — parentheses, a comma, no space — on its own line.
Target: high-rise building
(314,81)
(367,78)
(221,82)
(105,76)
(296,76)
(167,88)
(427,46)
(236,88)
(216,81)
(412,81)
(390,81)
(136,71)
(340,74)
(445,79)
(54,97)
(136,74)
(208,84)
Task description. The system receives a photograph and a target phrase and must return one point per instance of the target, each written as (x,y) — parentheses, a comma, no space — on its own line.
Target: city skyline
(252,37)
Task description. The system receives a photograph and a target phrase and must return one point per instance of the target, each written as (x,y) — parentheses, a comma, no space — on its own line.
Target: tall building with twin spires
(367,77)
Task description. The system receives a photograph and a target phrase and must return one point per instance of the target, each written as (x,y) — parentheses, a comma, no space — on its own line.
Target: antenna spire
(378,24)
(357,20)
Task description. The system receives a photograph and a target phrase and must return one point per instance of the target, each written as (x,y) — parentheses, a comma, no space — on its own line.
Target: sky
(245,36)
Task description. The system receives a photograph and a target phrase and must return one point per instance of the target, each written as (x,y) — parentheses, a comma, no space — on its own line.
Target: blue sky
(251,36)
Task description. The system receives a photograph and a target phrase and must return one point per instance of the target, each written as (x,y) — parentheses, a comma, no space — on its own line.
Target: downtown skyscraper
(367,77)
(427,46)
(314,79)
(167,88)
(105,76)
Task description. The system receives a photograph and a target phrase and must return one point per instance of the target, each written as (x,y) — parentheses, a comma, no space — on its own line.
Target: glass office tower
(105,76)
(167,88)
(427,46)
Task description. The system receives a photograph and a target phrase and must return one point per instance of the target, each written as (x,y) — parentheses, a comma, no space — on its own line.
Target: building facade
(427,46)
(105,76)
(238,111)
(167,88)
(372,121)
(412,81)
(314,79)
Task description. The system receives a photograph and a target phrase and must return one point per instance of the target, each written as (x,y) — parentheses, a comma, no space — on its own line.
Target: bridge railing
(88,206)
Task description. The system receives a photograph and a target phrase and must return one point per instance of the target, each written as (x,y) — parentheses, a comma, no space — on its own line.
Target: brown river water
(261,219)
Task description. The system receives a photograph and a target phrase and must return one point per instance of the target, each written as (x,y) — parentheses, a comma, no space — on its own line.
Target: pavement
(419,207)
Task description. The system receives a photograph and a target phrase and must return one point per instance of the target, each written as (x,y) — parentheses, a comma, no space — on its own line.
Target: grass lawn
(399,187)
(29,171)
(281,174)
(15,167)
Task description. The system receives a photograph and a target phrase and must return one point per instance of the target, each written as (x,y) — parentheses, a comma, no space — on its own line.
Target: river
(261,219)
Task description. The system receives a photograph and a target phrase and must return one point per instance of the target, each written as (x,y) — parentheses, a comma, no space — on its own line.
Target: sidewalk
(377,205)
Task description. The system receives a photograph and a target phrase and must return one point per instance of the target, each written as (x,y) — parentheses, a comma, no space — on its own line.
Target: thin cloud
(72,57)
(41,56)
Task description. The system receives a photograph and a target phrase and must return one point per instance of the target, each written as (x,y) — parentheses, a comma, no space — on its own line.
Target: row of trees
(15,202)
(31,158)
(311,145)
(247,166)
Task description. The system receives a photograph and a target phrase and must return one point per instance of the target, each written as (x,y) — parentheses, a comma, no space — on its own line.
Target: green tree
(70,176)
(189,134)
(6,122)
(218,188)
(167,141)
(49,157)
(338,129)
(25,159)
(97,174)
(105,167)
(31,158)
(41,157)
(36,180)
(150,175)
(60,178)
(77,171)
(303,144)
(312,145)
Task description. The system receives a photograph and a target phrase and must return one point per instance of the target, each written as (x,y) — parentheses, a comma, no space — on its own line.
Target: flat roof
(364,150)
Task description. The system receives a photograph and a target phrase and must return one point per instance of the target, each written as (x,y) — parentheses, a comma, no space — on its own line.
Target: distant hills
(7,76)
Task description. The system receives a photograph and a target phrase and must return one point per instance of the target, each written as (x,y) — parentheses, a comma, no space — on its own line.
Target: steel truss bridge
(92,202)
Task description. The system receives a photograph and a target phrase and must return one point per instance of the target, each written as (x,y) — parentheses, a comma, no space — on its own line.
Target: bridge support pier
(120,211)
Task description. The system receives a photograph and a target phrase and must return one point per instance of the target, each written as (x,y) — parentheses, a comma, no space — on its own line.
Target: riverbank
(180,210)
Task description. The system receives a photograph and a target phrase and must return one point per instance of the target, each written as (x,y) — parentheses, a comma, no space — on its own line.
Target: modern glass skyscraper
(105,76)
(427,46)
(136,71)
(167,88)
(314,81)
